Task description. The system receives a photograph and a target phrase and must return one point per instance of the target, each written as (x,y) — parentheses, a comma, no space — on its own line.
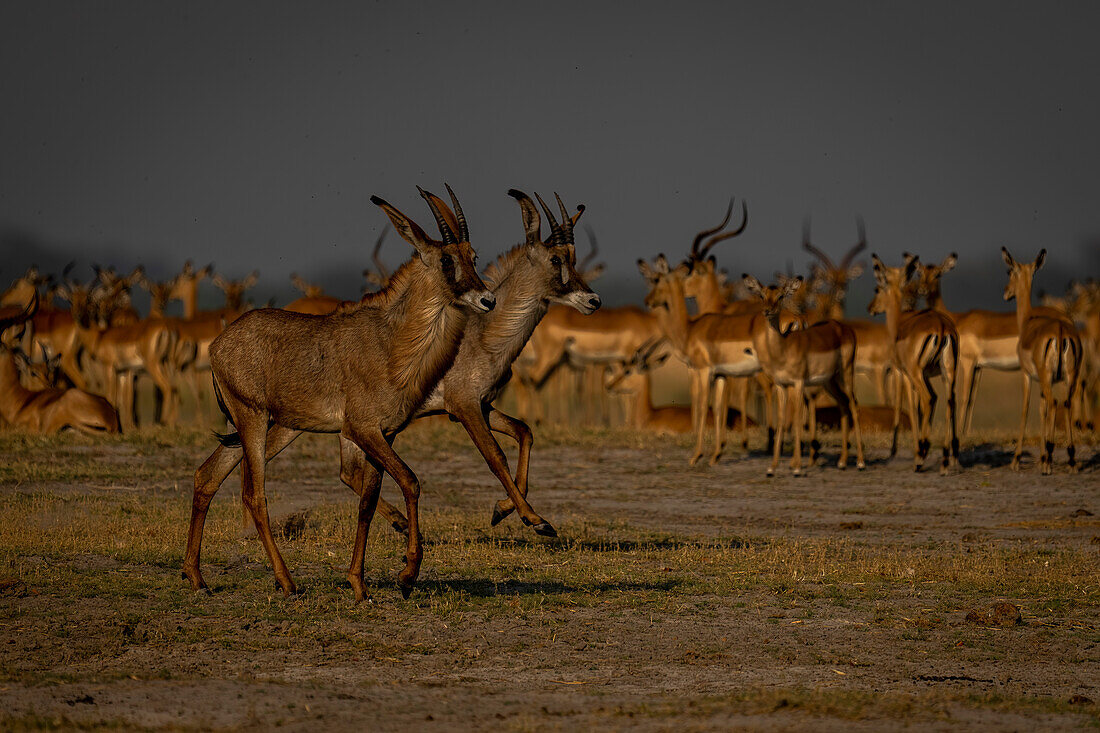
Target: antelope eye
(447,261)
(555,260)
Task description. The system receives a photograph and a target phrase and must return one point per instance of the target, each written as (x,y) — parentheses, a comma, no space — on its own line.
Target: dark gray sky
(253,134)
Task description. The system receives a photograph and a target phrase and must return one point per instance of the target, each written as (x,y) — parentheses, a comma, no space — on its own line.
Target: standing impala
(362,371)
(525,281)
(821,355)
(925,344)
(1050,352)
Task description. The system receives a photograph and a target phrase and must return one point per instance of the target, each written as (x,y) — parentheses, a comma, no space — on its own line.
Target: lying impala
(525,281)
(362,372)
(925,344)
(1050,352)
(47,410)
(633,379)
(819,355)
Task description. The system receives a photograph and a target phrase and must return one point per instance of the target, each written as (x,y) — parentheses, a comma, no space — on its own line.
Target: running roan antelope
(925,344)
(525,281)
(362,371)
(1050,352)
(819,355)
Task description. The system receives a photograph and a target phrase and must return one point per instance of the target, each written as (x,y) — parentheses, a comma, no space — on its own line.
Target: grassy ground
(674,597)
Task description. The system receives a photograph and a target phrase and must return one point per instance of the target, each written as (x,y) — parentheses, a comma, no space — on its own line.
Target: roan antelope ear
(532,222)
(575,217)
(1041,258)
(405,226)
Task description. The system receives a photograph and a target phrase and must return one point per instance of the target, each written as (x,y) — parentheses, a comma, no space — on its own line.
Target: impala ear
(661,265)
(753,285)
(1007,257)
(647,272)
(856,270)
(911,265)
(1041,258)
(949,262)
(879,269)
(404,226)
(252,278)
(791,286)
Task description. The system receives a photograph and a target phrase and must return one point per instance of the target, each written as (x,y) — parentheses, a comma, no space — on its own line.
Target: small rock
(1082,512)
(1001,613)
(1080,700)
(851,525)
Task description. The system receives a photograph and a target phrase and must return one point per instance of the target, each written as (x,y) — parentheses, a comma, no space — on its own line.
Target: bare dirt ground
(675,597)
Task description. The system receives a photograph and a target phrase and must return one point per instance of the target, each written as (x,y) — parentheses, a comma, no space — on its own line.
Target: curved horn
(707,232)
(375,254)
(726,235)
(859,247)
(806,245)
(566,221)
(444,230)
(555,228)
(463,228)
(592,252)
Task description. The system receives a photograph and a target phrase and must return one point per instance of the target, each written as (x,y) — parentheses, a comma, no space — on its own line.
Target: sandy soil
(646,651)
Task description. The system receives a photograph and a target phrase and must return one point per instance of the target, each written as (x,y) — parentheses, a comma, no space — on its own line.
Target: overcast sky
(253,134)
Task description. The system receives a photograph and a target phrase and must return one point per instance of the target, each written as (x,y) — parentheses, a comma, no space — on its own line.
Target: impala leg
(771,416)
(971,391)
(208,479)
(377,446)
(700,400)
(811,424)
(781,411)
(1023,422)
(476,423)
(951,436)
(518,431)
(797,400)
(355,473)
(898,379)
(915,420)
(1070,448)
(844,405)
(721,409)
(746,383)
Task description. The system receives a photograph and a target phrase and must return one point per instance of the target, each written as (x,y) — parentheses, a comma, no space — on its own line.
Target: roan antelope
(362,371)
(525,280)
(925,344)
(1050,352)
(819,355)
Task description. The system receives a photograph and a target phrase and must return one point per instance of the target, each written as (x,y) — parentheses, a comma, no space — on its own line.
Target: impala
(47,410)
(1050,352)
(362,371)
(819,355)
(925,344)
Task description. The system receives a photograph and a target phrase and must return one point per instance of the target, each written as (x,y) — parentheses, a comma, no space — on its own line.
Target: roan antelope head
(557,255)
(452,258)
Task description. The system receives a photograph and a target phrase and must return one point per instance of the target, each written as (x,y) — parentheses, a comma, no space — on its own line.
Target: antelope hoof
(406,588)
(796,471)
(545,529)
(695,459)
(861,465)
(400,527)
(770,472)
(498,516)
(714,459)
(288,590)
(196,581)
(1016,464)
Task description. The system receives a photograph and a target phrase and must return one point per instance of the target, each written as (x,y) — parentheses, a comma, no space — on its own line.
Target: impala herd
(440,336)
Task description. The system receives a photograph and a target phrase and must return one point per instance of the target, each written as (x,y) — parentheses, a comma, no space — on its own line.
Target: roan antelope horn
(444,230)
(556,232)
(463,229)
(726,235)
(707,232)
